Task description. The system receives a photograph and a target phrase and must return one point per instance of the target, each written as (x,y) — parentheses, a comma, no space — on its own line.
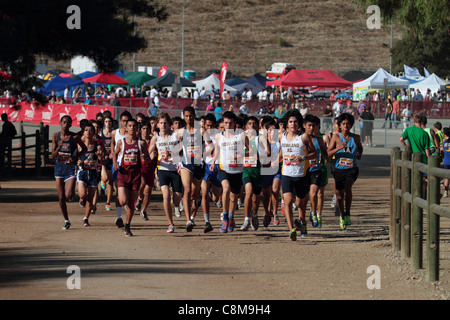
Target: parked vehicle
(278,70)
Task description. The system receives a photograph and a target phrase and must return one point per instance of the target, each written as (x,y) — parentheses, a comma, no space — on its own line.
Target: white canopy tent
(432,82)
(212,80)
(380,80)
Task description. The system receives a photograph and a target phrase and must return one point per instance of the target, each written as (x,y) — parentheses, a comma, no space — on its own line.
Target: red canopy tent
(108,78)
(311,78)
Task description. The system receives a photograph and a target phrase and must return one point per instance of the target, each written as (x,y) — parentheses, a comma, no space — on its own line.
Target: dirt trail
(254,265)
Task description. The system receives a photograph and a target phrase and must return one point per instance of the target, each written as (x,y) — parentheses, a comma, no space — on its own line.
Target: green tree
(31,28)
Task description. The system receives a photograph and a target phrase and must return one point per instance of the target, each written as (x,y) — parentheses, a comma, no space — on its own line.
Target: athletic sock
(230,215)
(206,216)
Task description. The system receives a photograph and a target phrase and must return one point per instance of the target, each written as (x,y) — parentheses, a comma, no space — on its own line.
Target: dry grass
(321,34)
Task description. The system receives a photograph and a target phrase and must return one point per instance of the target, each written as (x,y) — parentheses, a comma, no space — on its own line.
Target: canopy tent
(59,84)
(235,81)
(246,85)
(311,78)
(257,80)
(106,78)
(432,82)
(138,78)
(87,74)
(168,80)
(213,80)
(377,82)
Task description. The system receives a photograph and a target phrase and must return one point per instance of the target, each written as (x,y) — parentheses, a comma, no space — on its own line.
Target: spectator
(244,109)
(327,118)
(367,127)
(406,116)
(8,132)
(218,110)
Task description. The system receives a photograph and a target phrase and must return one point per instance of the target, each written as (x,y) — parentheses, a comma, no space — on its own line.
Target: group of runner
(207,160)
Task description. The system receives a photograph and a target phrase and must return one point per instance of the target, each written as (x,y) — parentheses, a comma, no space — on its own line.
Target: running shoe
(189,226)
(314,220)
(119,222)
(219,203)
(82,203)
(255,223)
(171,228)
(293,234)
(128,232)
(445,194)
(144,215)
(239,203)
(294,206)
(86,222)
(347,220)
(108,207)
(342,223)
(266,220)
(303,230)
(333,201)
(103,185)
(177,212)
(319,222)
(94,210)
(208,227)
(282,207)
(245,225)
(66,225)
(138,205)
(231,225)
(224,227)
(221,216)
(276,220)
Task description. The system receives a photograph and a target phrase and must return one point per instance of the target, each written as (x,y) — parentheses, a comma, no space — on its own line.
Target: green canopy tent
(137,78)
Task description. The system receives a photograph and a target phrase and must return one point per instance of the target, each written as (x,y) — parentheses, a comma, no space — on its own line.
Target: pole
(182,43)
(134,54)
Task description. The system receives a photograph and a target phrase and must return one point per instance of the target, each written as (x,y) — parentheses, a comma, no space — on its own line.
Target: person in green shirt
(417,138)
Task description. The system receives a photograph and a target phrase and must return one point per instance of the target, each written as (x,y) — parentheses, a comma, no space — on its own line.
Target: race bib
(346,162)
(130,159)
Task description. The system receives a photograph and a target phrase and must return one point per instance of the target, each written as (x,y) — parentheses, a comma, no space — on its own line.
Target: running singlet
(68,149)
(167,148)
(209,147)
(231,153)
(293,148)
(118,137)
(107,144)
(131,155)
(314,164)
(90,160)
(251,156)
(346,158)
(192,144)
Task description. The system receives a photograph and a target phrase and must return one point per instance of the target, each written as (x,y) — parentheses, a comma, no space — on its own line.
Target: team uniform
(192,146)
(251,171)
(117,137)
(64,168)
(231,161)
(107,145)
(345,163)
(87,172)
(294,176)
(129,172)
(166,168)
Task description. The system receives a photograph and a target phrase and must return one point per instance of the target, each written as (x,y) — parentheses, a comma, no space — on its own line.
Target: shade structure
(59,84)
(235,81)
(106,78)
(168,80)
(138,78)
(213,80)
(311,78)
(87,74)
(258,81)
(432,82)
(380,80)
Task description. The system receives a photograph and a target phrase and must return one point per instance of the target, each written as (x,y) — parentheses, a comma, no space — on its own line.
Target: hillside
(322,34)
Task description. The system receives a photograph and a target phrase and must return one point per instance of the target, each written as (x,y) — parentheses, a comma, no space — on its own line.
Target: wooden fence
(39,151)
(415,189)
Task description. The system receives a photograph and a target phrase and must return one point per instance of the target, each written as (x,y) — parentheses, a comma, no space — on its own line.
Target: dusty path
(254,265)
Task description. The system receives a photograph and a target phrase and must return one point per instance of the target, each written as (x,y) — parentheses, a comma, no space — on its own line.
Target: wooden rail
(415,189)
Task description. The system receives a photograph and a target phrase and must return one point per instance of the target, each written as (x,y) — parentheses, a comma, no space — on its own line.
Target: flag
(162,71)
(426,72)
(411,72)
(223,76)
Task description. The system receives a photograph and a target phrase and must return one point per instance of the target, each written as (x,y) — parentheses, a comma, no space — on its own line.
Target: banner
(162,71)
(51,113)
(411,72)
(223,76)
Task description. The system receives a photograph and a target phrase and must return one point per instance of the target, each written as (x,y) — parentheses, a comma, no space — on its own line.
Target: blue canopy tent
(87,74)
(257,80)
(235,82)
(59,84)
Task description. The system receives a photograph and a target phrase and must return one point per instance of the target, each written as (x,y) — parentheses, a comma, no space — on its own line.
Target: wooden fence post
(406,207)
(393,175)
(397,202)
(416,214)
(37,161)
(433,196)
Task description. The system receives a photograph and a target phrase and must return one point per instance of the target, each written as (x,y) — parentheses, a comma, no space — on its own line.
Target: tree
(106,30)
(426,32)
